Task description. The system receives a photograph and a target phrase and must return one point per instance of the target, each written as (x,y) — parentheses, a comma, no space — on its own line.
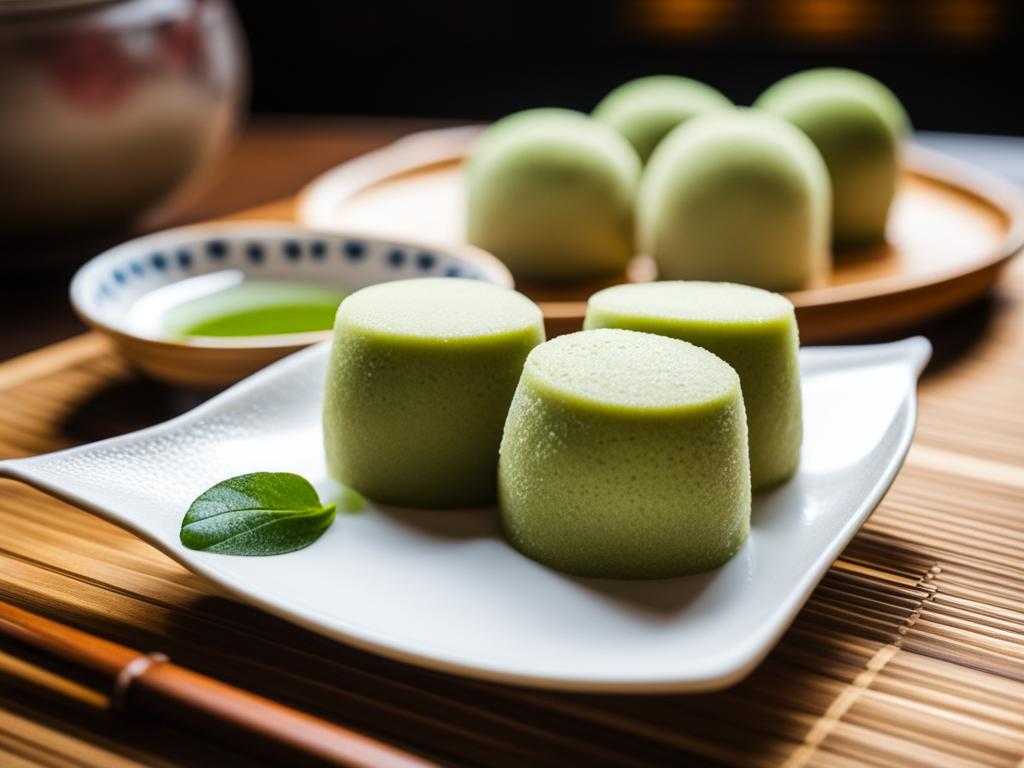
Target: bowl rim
(496,272)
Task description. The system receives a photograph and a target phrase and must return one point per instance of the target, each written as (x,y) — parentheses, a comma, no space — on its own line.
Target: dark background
(956,64)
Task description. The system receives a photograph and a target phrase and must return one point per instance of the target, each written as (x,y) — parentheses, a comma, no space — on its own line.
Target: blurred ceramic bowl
(126,292)
(107,109)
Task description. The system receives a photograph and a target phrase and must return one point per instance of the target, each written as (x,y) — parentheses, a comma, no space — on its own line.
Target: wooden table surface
(909,653)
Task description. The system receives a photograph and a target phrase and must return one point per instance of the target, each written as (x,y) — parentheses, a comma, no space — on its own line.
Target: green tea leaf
(263,513)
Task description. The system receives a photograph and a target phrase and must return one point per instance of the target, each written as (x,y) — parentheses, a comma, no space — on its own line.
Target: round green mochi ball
(419,381)
(740,196)
(752,330)
(625,456)
(858,125)
(647,109)
(551,193)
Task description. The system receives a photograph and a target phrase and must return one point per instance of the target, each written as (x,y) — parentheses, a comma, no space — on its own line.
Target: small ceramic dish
(443,590)
(126,291)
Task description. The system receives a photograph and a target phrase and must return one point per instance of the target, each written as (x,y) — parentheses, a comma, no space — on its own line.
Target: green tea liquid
(256,308)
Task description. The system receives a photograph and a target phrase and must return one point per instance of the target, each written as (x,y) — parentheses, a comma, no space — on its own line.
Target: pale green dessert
(741,196)
(752,330)
(625,456)
(858,126)
(647,109)
(551,193)
(419,382)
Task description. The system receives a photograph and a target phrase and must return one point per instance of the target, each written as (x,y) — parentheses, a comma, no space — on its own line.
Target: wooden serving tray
(952,229)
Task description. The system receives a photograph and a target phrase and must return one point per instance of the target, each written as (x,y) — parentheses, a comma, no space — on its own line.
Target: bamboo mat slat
(909,653)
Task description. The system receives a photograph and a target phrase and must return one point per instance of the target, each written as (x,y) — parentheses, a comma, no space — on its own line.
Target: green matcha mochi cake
(753,330)
(418,385)
(551,193)
(858,126)
(647,109)
(625,456)
(740,196)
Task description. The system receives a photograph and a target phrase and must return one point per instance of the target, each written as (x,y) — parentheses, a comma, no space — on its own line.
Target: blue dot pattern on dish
(354,249)
(217,249)
(256,253)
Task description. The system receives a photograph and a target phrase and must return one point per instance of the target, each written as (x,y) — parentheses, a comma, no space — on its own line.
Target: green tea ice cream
(858,125)
(741,196)
(647,109)
(551,193)
(752,330)
(625,456)
(419,382)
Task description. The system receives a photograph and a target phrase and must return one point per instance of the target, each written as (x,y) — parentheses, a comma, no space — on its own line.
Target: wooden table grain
(909,653)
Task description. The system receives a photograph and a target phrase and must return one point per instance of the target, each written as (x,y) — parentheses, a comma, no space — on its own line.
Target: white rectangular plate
(442,590)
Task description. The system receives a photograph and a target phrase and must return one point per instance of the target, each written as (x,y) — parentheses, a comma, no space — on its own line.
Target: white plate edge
(914,352)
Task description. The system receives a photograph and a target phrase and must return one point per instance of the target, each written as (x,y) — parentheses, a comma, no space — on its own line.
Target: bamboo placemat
(910,652)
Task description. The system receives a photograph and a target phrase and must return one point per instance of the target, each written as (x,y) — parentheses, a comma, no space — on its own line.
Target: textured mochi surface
(740,196)
(419,383)
(645,110)
(858,125)
(625,456)
(753,330)
(552,193)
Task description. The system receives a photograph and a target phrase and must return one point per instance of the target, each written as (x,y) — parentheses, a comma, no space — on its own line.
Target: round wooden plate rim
(438,147)
(937,168)
(954,174)
(870,304)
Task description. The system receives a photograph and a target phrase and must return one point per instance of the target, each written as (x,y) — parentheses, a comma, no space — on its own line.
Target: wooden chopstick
(152,684)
